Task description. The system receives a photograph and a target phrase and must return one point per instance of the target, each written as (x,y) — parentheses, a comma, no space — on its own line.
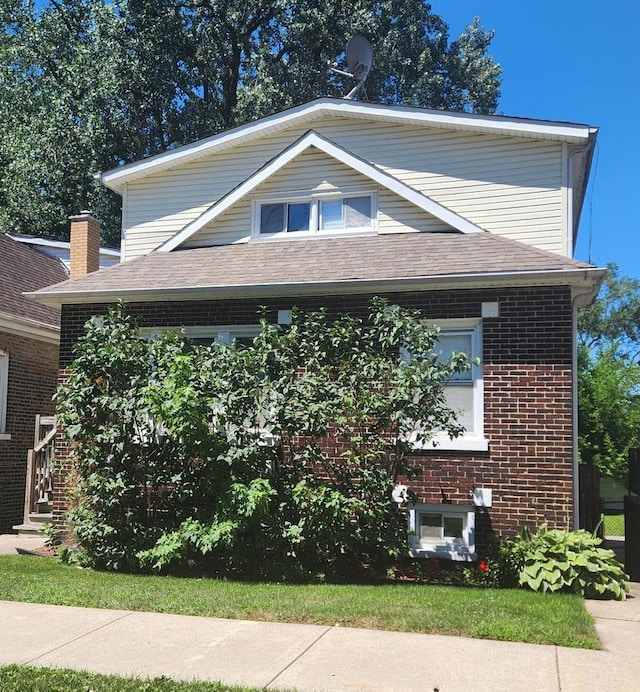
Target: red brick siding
(84,245)
(527,361)
(31,386)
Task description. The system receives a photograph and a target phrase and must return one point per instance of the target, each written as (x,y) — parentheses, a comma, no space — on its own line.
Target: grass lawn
(20,678)
(614,524)
(510,615)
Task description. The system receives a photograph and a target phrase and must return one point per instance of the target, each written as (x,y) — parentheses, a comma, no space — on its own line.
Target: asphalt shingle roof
(310,261)
(24,269)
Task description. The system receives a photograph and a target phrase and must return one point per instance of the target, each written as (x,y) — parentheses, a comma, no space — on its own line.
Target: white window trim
(475,441)
(223,333)
(4,389)
(446,549)
(314,198)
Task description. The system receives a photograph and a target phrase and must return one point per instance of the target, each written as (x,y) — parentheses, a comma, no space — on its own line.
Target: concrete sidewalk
(9,543)
(311,657)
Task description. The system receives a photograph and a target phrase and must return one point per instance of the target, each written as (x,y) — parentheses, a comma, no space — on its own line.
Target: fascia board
(572,133)
(576,278)
(29,328)
(313,139)
(455,120)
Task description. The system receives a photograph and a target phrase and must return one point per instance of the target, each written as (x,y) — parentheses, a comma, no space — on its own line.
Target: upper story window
(314,215)
(4,382)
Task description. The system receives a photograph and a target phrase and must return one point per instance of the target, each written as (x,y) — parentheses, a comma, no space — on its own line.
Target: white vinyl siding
(506,185)
(396,215)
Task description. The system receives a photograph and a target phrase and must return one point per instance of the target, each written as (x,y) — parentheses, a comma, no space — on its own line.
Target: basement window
(445,531)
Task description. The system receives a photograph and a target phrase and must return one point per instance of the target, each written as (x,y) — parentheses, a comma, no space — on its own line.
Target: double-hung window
(464,391)
(317,214)
(4,386)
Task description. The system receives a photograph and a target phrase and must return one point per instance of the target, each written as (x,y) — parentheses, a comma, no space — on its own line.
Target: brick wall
(527,360)
(31,386)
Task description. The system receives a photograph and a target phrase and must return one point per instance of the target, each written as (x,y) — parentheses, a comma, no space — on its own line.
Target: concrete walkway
(311,657)
(10,542)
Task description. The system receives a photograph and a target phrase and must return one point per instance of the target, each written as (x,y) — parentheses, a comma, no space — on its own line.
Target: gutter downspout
(578,300)
(586,149)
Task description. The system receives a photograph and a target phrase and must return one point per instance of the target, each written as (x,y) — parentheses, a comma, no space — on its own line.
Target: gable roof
(383,263)
(314,139)
(22,268)
(572,133)
(62,249)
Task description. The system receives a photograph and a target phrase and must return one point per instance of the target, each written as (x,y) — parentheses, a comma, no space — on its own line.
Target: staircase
(39,487)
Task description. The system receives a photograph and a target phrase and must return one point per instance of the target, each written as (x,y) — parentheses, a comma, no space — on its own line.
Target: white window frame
(223,334)
(4,390)
(469,440)
(314,199)
(451,549)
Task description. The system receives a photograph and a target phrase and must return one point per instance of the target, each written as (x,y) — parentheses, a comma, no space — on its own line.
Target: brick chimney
(85,244)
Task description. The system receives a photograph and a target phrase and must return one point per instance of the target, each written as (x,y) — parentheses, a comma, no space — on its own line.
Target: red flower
(483,566)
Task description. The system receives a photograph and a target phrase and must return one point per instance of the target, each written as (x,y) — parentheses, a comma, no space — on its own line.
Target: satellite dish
(359,57)
(359,61)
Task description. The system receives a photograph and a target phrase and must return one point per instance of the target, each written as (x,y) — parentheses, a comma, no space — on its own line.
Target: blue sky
(577,61)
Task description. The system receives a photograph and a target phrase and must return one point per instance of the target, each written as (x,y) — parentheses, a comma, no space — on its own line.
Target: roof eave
(21,326)
(579,278)
(573,133)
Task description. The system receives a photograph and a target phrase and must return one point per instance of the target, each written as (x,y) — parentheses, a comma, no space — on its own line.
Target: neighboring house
(470,218)
(29,350)
(29,337)
(60,249)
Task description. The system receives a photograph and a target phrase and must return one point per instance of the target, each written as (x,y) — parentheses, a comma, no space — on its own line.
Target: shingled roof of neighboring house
(318,265)
(24,269)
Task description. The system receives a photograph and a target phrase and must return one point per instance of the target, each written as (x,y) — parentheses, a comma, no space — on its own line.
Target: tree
(274,460)
(609,376)
(613,320)
(59,116)
(90,84)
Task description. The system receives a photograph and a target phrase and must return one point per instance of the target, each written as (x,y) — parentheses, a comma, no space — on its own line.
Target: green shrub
(274,460)
(498,568)
(557,560)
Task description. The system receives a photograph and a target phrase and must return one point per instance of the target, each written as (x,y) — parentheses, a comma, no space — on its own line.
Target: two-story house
(470,218)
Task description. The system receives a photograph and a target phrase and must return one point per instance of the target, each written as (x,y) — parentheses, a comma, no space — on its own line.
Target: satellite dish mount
(359,61)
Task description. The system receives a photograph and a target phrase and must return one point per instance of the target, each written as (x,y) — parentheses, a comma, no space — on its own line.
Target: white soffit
(313,139)
(572,133)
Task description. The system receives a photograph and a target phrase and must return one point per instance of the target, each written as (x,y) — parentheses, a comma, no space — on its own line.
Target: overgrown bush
(276,460)
(557,560)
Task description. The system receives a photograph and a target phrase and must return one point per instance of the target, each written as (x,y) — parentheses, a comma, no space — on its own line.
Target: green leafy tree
(274,460)
(89,84)
(609,376)
(59,118)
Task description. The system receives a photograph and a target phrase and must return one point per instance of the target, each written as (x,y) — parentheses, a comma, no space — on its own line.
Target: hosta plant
(557,560)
